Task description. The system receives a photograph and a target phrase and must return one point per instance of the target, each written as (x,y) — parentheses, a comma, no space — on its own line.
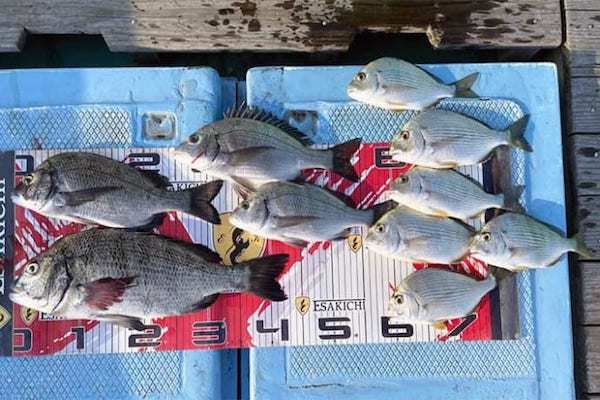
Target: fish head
(490,245)
(42,284)
(251,214)
(408,187)
(407,144)
(200,150)
(35,190)
(364,85)
(384,238)
(403,304)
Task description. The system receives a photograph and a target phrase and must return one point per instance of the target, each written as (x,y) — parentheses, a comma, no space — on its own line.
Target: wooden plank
(587,300)
(585,162)
(584,96)
(304,25)
(582,5)
(588,352)
(588,222)
(582,37)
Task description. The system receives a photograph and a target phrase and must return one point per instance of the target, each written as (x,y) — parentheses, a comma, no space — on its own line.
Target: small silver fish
(445,139)
(394,84)
(516,242)
(250,147)
(300,214)
(124,277)
(92,189)
(443,193)
(410,236)
(433,295)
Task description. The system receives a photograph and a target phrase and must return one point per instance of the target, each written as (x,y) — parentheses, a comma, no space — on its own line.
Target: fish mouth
(200,154)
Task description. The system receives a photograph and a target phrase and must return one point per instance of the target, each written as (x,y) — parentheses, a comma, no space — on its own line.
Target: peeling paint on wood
(302,25)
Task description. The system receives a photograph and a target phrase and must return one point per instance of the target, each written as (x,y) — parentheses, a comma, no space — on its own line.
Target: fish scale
(123,276)
(434,294)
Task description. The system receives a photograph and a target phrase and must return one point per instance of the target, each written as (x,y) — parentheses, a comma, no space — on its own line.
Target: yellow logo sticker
(4,317)
(235,245)
(302,304)
(355,242)
(28,315)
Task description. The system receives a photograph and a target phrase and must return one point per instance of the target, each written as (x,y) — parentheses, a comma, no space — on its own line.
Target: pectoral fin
(73,199)
(295,242)
(418,241)
(103,293)
(123,320)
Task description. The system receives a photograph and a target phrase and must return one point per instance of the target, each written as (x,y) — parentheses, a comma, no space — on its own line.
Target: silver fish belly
(123,277)
(299,214)
(443,193)
(433,294)
(251,148)
(93,189)
(445,139)
(398,85)
(410,236)
(516,241)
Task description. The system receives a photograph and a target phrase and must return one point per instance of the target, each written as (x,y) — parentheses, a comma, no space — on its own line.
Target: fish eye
(403,179)
(361,76)
(194,138)
(32,268)
(486,236)
(244,205)
(28,179)
(380,228)
(399,299)
(404,135)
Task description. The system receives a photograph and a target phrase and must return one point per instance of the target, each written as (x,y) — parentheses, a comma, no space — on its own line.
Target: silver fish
(250,147)
(300,214)
(410,236)
(434,295)
(445,139)
(398,85)
(444,193)
(516,242)
(92,189)
(124,277)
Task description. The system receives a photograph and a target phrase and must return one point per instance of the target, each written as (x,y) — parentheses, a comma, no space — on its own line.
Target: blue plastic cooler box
(538,364)
(87,108)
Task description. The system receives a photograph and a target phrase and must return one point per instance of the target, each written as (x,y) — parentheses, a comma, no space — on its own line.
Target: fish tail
(263,276)
(510,199)
(497,275)
(516,132)
(578,245)
(342,154)
(463,86)
(380,209)
(200,198)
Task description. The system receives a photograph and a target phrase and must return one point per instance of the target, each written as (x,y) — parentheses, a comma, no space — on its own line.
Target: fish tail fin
(497,275)
(200,201)
(380,209)
(463,86)
(510,199)
(263,276)
(578,245)
(516,132)
(342,154)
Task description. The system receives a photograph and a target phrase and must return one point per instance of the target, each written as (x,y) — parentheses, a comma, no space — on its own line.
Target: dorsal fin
(158,180)
(257,114)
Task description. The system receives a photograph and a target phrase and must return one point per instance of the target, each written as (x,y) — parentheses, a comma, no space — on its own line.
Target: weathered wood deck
(306,25)
(582,49)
